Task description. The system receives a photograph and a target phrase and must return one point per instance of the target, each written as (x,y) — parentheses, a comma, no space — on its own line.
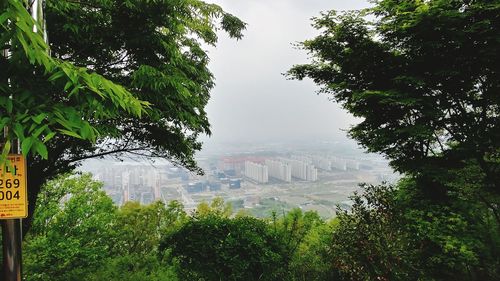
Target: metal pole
(12,228)
(11,242)
(12,239)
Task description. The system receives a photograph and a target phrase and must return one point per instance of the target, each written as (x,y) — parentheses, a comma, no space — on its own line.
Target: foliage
(117,77)
(41,96)
(155,49)
(134,268)
(311,260)
(370,241)
(305,238)
(80,235)
(71,233)
(424,79)
(216,208)
(214,248)
(397,234)
(139,228)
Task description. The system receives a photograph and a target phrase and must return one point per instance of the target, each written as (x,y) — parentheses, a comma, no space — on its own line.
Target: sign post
(13,207)
(13,188)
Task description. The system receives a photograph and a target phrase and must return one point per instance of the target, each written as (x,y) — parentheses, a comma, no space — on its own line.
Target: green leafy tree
(134,267)
(72,230)
(396,233)
(424,78)
(372,241)
(137,231)
(139,227)
(292,228)
(80,235)
(312,260)
(148,97)
(213,247)
(216,208)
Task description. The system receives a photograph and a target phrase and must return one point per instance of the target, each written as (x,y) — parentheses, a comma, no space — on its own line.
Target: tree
(371,241)
(424,79)
(213,247)
(292,228)
(311,259)
(395,233)
(78,234)
(216,208)
(72,230)
(148,98)
(139,228)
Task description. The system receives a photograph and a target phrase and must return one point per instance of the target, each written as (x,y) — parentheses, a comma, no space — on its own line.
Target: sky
(252,100)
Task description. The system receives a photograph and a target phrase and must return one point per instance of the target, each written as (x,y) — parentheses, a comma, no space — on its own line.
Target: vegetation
(120,77)
(388,235)
(423,79)
(80,235)
(423,76)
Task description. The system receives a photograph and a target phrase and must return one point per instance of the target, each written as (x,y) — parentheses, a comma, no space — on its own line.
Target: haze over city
(252,100)
(318,140)
(275,144)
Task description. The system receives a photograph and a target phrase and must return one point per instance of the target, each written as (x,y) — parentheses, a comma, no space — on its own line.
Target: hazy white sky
(252,100)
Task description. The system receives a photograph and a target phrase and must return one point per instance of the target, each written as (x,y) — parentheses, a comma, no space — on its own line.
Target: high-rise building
(302,170)
(156,187)
(322,163)
(256,172)
(126,186)
(279,170)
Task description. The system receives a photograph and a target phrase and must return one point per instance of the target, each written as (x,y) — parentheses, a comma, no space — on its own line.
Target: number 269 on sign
(13,188)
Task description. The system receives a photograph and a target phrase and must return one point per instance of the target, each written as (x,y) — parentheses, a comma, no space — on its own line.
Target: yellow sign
(13,188)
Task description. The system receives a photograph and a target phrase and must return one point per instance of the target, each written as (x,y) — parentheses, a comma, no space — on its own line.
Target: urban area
(259,179)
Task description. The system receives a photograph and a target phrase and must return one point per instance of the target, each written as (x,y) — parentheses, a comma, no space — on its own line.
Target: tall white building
(302,170)
(156,186)
(322,163)
(256,172)
(279,170)
(311,173)
(126,186)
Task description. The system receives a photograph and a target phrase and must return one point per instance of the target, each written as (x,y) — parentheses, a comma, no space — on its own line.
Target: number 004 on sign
(13,189)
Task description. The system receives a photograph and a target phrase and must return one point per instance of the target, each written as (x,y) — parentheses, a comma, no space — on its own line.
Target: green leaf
(39,118)
(40,130)
(56,76)
(26,145)
(41,149)
(49,136)
(19,131)
(4,121)
(70,133)
(5,151)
